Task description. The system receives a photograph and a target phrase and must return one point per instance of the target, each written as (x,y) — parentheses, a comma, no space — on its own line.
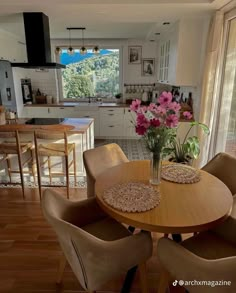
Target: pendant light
(96,50)
(83,50)
(58,51)
(70,50)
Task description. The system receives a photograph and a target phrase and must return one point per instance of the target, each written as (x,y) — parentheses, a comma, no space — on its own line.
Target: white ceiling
(138,19)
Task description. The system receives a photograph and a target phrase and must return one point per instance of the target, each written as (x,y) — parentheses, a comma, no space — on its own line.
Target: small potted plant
(185,151)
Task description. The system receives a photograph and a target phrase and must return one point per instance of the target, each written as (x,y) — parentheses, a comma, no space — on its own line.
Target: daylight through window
(91,74)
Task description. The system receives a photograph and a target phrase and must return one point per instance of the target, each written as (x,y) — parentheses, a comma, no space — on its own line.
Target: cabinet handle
(62,108)
(48,110)
(111,126)
(111,114)
(110,110)
(129,110)
(86,116)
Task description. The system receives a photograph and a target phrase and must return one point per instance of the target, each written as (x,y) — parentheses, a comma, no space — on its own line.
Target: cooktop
(44,121)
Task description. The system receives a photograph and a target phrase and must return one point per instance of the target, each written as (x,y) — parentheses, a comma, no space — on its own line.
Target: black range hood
(37,36)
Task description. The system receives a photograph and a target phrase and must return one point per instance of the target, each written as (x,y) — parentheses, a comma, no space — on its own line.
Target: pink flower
(152,107)
(155,122)
(135,106)
(165,98)
(172,120)
(141,130)
(174,106)
(161,110)
(187,115)
(142,121)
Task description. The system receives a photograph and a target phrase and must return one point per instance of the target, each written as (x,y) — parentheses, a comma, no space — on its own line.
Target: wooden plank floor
(29,250)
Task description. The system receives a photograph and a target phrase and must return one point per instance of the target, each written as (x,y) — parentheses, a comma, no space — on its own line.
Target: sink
(85,106)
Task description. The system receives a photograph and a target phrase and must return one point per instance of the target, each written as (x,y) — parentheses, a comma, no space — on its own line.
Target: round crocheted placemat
(132,197)
(180,173)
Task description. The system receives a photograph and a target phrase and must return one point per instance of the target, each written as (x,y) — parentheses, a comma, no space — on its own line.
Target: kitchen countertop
(79,104)
(75,125)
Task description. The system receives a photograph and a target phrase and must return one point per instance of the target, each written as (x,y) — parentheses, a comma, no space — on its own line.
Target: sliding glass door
(226,122)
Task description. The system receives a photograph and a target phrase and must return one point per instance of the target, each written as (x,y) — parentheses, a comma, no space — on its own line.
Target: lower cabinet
(108,121)
(111,122)
(129,124)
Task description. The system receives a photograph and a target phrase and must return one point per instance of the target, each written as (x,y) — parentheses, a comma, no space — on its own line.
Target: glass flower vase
(155,168)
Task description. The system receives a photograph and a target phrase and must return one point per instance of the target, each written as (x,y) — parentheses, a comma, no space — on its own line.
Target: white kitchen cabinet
(36,112)
(129,124)
(164,61)
(111,122)
(80,113)
(61,112)
(180,51)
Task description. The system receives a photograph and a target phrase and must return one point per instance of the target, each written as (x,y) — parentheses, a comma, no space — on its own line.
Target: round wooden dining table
(183,208)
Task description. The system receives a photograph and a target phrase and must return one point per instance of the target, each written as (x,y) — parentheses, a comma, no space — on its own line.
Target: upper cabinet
(180,53)
(12,48)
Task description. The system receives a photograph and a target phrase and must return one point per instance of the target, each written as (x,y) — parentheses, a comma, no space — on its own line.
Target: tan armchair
(100,159)
(97,247)
(205,257)
(208,256)
(223,166)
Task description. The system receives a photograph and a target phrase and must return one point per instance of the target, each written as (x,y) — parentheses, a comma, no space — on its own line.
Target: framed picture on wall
(135,54)
(148,66)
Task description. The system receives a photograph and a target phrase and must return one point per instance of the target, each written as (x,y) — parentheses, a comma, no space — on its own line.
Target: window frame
(59,74)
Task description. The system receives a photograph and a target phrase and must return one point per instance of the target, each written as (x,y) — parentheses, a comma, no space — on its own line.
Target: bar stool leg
(21,174)
(33,165)
(74,158)
(67,176)
(50,169)
(8,167)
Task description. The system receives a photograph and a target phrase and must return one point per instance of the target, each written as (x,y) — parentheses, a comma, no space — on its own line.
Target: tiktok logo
(175,283)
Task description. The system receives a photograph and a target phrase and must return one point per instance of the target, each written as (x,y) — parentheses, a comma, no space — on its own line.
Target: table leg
(130,274)
(177,238)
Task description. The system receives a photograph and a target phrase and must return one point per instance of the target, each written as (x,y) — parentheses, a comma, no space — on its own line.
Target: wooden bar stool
(44,152)
(14,147)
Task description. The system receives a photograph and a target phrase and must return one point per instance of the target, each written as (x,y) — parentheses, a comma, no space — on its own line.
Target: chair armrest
(78,213)
(184,265)
(228,227)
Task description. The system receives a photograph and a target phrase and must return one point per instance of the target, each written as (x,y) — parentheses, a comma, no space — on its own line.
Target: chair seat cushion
(54,149)
(107,229)
(11,147)
(210,246)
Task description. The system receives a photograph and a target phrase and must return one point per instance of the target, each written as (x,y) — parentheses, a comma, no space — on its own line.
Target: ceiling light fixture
(83,50)
(70,50)
(96,50)
(58,51)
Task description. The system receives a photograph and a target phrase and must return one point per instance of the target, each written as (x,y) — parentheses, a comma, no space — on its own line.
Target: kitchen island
(79,130)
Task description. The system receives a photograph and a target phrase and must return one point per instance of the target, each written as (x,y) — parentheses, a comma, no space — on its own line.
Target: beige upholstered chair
(223,166)
(208,256)
(100,159)
(204,257)
(97,247)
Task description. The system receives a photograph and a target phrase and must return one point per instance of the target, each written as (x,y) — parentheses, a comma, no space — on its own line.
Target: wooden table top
(184,208)
(77,125)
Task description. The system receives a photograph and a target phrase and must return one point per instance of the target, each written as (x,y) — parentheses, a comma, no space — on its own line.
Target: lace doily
(180,173)
(132,197)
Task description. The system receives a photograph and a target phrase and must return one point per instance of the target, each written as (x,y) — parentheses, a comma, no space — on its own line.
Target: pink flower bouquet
(156,123)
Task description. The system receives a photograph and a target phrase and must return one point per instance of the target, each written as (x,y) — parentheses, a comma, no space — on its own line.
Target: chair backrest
(223,166)
(12,146)
(74,241)
(98,160)
(47,135)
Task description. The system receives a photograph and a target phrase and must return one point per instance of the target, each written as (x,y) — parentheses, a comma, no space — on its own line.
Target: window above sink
(90,75)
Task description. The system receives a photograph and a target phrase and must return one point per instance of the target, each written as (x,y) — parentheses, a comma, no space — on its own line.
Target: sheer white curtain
(210,86)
